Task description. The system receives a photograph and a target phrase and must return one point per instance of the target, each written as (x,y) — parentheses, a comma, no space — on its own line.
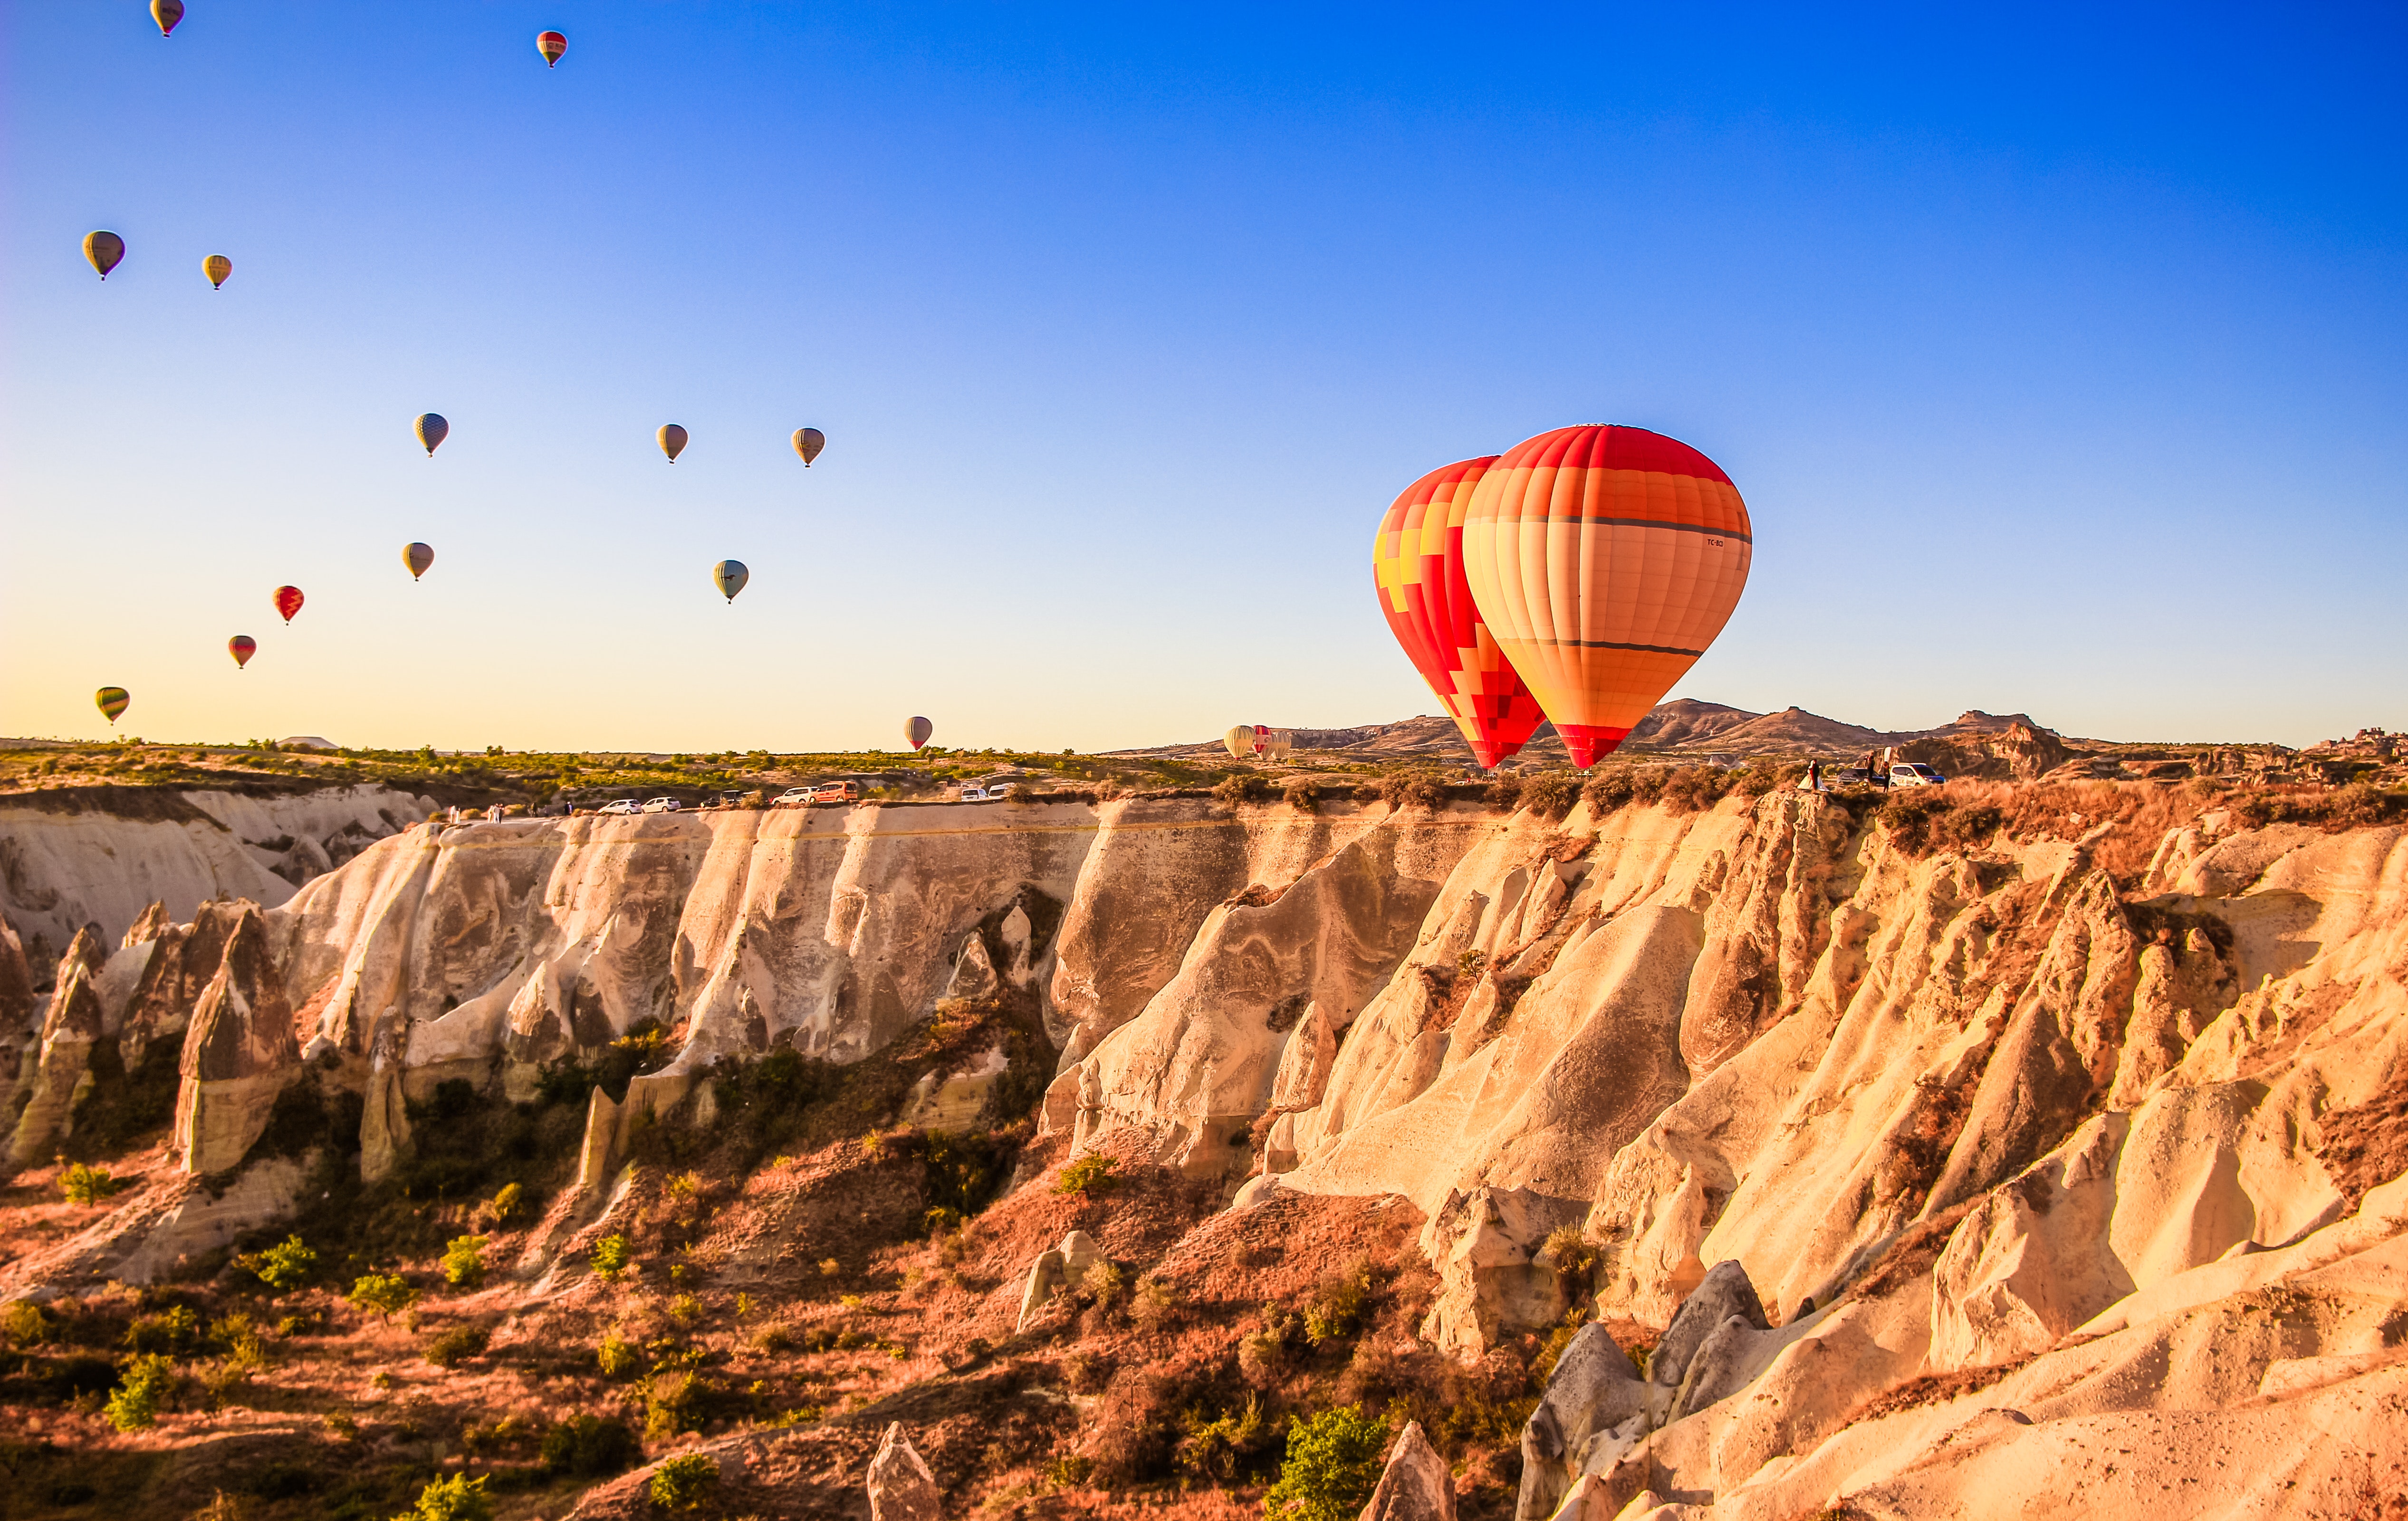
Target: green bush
(24,1324)
(589,1447)
(612,1255)
(284,1267)
(1087,1176)
(83,1185)
(455,1346)
(507,1204)
(464,1261)
(143,1382)
(1339,1302)
(672,1403)
(1333,1461)
(458,1498)
(383,1294)
(683,1484)
(618,1356)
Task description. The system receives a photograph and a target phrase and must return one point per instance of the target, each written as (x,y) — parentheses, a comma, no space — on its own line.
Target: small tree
(612,1255)
(464,1261)
(284,1267)
(1089,1174)
(143,1382)
(1331,1467)
(83,1185)
(683,1484)
(383,1294)
(458,1498)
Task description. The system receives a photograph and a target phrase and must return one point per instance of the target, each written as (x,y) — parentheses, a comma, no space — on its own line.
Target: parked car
(662,805)
(621,805)
(792,798)
(1908,775)
(1847,776)
(837,792)
(987,791)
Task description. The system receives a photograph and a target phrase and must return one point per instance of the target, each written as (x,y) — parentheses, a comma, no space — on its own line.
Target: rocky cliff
(2085,1103)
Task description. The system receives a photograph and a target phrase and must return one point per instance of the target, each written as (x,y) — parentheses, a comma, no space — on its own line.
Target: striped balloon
(917,730)
(288,601)
(552,45)
(242,646)
(1606,559)
(1417,567)
(113,701)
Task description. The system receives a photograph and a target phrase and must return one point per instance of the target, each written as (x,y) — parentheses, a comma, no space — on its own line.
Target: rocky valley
(1678,1144)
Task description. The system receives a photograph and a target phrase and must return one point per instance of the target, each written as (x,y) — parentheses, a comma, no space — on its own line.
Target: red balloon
(242,646)
(288,601)
(1417,568)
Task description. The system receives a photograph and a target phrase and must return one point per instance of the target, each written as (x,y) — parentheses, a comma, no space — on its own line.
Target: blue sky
(2062,358)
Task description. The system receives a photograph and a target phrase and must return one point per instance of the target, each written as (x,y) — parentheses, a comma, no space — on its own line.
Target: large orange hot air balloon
(552,45)
(242,646)
(1417,567)
(1605,560)
(288,601)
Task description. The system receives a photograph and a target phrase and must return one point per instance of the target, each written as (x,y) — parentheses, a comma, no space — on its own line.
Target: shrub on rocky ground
(383,1294)
(1332,1463)
(83,1185)
(144,1382)
(684,1484)
(283,1267)
(589,1447)
(449,1348)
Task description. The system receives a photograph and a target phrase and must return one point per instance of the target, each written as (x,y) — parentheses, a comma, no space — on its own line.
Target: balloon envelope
(111,701)
(166,13)
(288,601)
(417,558)
(103,249)
(242,646)
(672,440)
(217,267)
(729,576)
(1605,559)
(432,430)
(917,730)
(1417,569)
(552,45)
(808,443)
(1240,741)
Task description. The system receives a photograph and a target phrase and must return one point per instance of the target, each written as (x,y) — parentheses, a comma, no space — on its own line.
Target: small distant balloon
(1240,741)
(808,443)
(113,701)
(105,249)
(288,601)
(242,646)
(672,440)
(552,45)
(217,267)
(917,730)
(729,576)
(166,13)
(432,430)
(417,558)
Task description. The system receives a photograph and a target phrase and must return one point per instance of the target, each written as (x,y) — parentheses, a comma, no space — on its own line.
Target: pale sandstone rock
(1593,1390)
(901,1488)
(1079,1254)
(71,1026)
(1414,1486)
(1486,1245)
(1046,1277)
(238,1055)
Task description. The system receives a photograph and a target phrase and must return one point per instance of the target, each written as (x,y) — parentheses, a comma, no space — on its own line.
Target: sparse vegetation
(589,1447)
(1088,1175)
(143,1383)
(83,1185)
(454,1346)
(685,1484)
(611,1255)
(284,1267)
(458,1498)
(383,1294)
(464,1261)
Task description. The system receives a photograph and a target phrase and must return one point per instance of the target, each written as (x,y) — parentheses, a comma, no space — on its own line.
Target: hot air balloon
(104,250)
(166,13)
(288,601)
(552,45)
(1240,741)
(808,443)
(672,440)
(113,701)
(729,576)
(417,558)
(1604,560)
(1417,568)
(242,646)
(917,730)
(217,267)
(432,430)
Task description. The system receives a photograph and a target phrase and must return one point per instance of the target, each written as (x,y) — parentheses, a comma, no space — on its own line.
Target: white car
(1905,775)
(662,805)
(621,805)
(793,797)
(985,792)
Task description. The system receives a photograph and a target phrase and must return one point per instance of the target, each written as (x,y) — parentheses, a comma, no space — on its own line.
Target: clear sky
(2063,357)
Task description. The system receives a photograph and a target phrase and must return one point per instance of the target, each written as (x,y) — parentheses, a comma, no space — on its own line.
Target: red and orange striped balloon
(288,601)
(1606,559)
(1417,565)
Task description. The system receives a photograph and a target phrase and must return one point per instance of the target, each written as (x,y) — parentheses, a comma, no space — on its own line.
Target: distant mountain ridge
(1685,727)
